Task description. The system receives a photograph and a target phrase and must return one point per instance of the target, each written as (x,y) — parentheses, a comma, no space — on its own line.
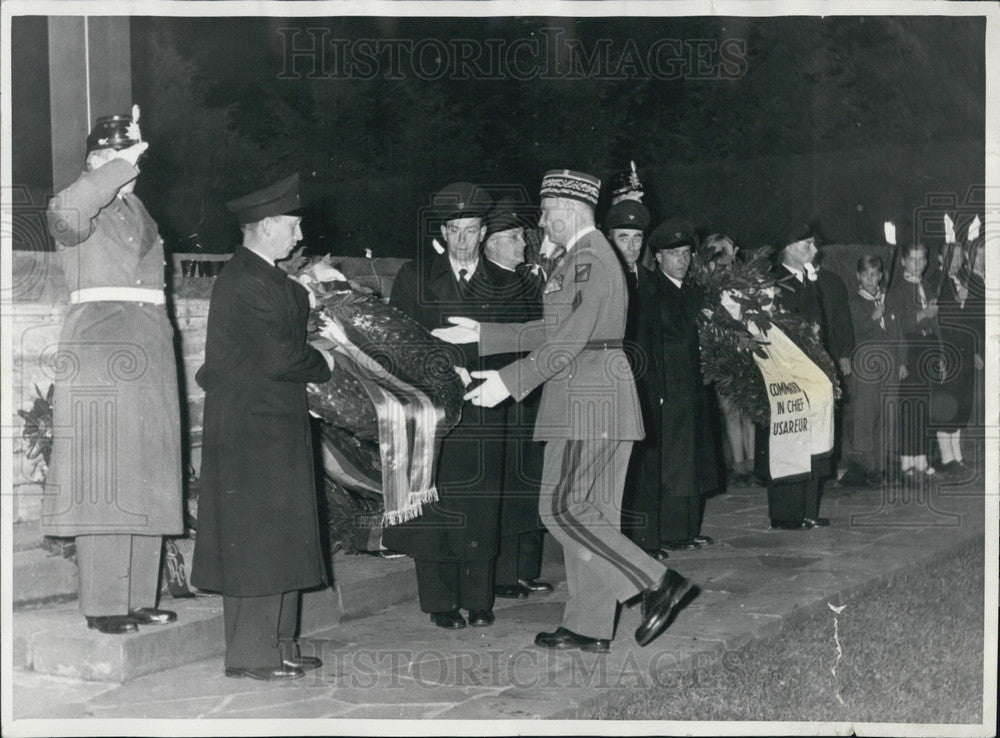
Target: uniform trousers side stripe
(600,455)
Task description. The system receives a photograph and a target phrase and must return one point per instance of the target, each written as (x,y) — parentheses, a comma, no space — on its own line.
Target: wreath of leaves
(727,347)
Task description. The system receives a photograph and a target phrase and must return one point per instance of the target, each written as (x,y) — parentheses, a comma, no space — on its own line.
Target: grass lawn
(912,652)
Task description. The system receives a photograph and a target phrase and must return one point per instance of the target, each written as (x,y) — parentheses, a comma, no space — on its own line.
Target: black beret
(627,214)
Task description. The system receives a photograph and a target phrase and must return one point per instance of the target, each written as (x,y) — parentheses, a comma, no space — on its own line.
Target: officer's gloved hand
(132,153)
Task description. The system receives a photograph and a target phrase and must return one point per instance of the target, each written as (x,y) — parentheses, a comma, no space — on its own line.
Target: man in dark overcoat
(669,508)
(795,505)
(115,475)
(454,542)
(625,225)
(519,291)
(588,418)
(258,537)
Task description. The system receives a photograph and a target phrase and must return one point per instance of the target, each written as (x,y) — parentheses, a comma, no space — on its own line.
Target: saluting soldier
(589,417)
(258,523)
(115,477)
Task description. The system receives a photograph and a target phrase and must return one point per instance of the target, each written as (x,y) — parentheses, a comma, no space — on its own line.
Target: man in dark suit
(258,537)
(454,542)
(667,510)
(519,293)
(589,416)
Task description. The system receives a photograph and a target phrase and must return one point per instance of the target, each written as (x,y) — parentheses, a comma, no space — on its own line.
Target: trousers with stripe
(580,505)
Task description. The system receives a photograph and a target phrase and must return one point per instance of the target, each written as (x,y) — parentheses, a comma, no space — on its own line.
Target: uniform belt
(603,345)
(117,294)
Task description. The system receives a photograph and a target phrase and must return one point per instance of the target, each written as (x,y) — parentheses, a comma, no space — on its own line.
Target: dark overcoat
(116,455)
(520,294)
(684,460)
(258,527)
(838,328)
(464,524)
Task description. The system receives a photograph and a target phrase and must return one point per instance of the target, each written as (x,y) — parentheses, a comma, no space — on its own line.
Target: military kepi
(672,234)
(571,185)
(281,198)
(627,214)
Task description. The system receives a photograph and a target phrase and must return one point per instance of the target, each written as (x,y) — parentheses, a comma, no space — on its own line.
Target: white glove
(463,330)
(491,392)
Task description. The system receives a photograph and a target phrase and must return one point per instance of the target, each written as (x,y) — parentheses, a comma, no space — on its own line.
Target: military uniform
(589,416)
(115,474)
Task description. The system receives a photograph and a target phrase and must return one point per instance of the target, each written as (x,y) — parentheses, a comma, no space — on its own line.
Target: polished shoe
(113,624)
(703,540)
(660,554)
(266,673)
(816,522)
(680,545)
(451,619)
(787,525)
(533,585)
(306,663)
(481,618)
(152,616)
(659,602)
(511,591)
(564,640)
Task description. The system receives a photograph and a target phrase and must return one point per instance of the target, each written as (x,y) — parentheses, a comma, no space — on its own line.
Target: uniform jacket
(800,298)
(680,422)
(464,524)
(258,526)
(116,456)
(589,391)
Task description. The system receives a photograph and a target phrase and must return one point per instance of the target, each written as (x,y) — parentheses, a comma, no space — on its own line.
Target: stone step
(55,639)
(41,577)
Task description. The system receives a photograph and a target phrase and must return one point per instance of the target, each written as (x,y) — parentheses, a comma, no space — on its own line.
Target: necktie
(462,282)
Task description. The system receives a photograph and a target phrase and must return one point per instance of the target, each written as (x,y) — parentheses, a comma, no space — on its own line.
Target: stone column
(90,75)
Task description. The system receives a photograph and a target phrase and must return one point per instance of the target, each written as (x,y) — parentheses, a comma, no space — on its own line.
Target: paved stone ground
(396,664)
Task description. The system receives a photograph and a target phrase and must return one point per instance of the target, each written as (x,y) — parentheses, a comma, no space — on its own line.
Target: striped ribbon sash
(408,423)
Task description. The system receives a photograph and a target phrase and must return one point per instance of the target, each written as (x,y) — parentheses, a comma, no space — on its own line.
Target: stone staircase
(50,635)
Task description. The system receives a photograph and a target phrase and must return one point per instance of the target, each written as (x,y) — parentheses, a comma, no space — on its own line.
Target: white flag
(890,233)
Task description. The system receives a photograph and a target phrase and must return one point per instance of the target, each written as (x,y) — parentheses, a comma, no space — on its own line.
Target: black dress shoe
(533,585)
(305,663)
(788,524)
(113,624)
(816,522)
(152,616)
(451,619)
(659,602)
(564,640)
(680,545)
(660,554)
(703,540)
(511,591)
(266,673)
(481,618)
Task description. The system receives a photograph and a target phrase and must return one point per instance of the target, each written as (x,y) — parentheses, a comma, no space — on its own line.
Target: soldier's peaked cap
(461,200)
(280,198)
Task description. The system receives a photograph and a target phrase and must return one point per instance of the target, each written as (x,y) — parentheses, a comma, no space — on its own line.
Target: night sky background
(846,120)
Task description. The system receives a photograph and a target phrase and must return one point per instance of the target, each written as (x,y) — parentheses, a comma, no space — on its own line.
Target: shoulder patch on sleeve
(582,272)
